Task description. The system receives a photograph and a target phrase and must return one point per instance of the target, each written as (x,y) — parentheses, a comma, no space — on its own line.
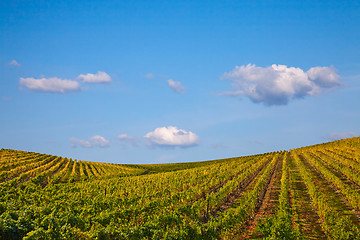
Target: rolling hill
(306,193)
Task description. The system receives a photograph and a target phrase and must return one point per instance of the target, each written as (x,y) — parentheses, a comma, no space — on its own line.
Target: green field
(305,193)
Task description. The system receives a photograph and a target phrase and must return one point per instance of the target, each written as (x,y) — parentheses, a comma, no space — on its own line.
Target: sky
(177,81)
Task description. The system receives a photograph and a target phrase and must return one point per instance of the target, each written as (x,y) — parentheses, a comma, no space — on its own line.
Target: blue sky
(176,81)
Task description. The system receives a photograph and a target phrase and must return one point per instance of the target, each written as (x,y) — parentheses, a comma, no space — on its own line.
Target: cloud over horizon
(95,141)
(54,84)
(172,137)
(278,84)
(99,77)
(176,86)
(341,135)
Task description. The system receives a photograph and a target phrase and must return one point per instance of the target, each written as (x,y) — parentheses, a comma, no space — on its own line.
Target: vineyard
(306,193)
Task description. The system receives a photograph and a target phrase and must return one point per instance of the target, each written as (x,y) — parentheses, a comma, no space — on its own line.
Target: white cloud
(14,63)
(278,84)
(172,137)
(128,139)
(341,135)
(149,75)
(324,77)
(176,86)
(53,84)
(95,141)
(99,77)
(124,136)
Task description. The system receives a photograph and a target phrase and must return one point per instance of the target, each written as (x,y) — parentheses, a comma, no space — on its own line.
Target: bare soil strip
(67,172)
(216,188)
(28,178)
(337,173)
(307,219)
(234,195)
(267,201)
(95,169)
(342,156)
(26,170)
(339,201)
(44,182)
(91,171)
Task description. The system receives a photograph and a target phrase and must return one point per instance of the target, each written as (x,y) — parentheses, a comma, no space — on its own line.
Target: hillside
(311,193)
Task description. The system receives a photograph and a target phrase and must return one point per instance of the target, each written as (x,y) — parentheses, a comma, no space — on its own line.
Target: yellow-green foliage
(50,197)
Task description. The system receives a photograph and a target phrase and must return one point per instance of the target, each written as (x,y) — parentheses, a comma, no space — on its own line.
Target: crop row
(43,196)
(335,224)
(18,167)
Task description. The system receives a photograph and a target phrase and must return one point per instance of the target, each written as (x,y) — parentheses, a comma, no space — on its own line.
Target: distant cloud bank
(176,86)
(341,135)
(278,84)
(95,141)
(54,84)
(172,137)
(167,137)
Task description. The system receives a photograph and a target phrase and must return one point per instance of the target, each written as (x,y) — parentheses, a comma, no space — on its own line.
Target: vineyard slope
(305,193)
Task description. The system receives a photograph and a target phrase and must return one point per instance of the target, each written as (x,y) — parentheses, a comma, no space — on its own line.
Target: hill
(310,192)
